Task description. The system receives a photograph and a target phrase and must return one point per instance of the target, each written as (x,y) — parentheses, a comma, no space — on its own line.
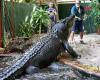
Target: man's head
(51,5)
(78,3)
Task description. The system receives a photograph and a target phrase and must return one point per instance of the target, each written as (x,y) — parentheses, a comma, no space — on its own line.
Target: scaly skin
(42,53)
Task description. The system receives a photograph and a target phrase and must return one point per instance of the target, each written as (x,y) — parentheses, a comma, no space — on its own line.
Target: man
(78,11)
(52,13)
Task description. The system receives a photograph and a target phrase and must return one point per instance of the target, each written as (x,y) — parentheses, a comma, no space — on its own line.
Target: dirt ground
(90,52)
(15,49)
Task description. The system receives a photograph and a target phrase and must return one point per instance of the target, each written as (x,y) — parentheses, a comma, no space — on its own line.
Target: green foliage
(30,1)
(95,13)
(38,22)
(98,1)
(27,1)
(26,30)
(40,19)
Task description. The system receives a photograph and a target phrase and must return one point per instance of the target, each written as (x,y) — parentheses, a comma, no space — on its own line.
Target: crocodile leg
(70,50)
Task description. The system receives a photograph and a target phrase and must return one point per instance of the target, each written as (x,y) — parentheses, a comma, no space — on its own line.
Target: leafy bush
(30,1)
(26,30)
(95,13)
(40,20)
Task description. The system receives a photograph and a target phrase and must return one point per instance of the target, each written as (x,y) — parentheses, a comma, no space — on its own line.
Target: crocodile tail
(12,70)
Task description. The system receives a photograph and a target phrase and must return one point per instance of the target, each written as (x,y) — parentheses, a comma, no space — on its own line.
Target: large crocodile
(43,52)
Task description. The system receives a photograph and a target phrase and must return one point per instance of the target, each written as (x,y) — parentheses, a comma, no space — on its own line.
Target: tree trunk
(56,6)
(12,20)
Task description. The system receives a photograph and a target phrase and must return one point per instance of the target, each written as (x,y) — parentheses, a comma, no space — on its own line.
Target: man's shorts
(78,26)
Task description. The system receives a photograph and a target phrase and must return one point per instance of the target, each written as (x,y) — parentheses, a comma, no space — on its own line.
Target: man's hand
(85,17)
(55,12)
(78,18)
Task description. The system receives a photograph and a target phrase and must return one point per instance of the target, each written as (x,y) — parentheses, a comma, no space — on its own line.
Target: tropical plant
(38,22)
(30,1)
(95,13)
(27,1)
(40,19)
(26,29)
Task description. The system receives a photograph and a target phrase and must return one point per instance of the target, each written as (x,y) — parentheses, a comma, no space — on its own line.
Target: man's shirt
(52,14)
(51,9)
(76,12)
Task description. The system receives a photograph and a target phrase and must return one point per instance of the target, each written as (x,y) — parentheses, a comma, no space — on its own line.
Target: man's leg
(81,30)
(72,36)
(81,38)
(70,50)
(81,35)
(73,30)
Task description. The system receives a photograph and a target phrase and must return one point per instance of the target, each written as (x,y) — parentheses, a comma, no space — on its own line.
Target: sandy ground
(90,51)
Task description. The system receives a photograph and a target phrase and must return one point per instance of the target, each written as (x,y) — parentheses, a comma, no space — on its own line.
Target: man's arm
(73,11)
(55,12)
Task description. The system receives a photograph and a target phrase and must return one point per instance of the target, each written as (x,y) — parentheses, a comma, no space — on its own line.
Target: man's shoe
(79,56)
(82,42)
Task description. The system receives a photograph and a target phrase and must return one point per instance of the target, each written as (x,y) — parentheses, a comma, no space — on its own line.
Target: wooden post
(0,23)
(12,19)
(3,23)
(56,6)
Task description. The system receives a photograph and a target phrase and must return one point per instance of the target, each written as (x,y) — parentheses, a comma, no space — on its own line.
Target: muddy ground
(90,53)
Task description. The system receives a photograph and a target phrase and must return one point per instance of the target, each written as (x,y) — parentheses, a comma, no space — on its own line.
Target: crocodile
(44,51)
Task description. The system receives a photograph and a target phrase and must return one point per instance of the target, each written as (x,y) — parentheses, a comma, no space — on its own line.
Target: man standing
(78,11)
(52,13)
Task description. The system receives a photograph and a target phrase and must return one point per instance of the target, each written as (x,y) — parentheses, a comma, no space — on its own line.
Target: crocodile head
(62,29)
